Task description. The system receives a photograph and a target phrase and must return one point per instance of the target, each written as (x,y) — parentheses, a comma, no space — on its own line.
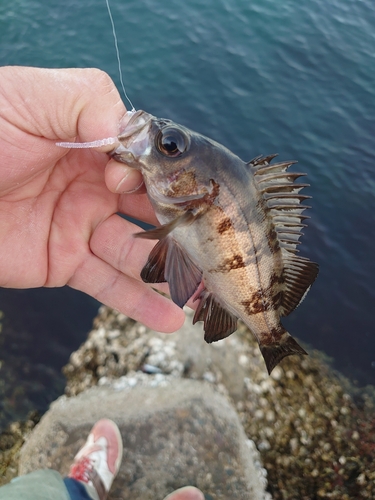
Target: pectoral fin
(153,271)
(161,232)
(169,262)
(218,322)
(182,275)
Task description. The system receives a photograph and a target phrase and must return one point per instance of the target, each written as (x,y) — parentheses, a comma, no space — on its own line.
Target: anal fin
(218,322)
(275,352)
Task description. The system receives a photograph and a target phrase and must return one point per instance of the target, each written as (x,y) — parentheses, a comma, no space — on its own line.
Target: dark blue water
(261,76)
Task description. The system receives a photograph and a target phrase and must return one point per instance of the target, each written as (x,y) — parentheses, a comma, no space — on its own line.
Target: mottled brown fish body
(231,226)
(240,266)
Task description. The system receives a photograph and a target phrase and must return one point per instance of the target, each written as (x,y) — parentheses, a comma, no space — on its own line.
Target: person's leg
(96,464)
(77,490)
(91,474)
(39,485)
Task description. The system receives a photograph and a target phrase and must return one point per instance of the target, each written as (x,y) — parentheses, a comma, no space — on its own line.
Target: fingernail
(130,182)
(129,191)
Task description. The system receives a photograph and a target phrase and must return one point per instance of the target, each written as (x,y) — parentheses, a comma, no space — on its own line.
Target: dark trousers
(76,490)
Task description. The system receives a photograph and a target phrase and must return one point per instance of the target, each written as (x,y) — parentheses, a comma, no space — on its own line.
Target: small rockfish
(229,231)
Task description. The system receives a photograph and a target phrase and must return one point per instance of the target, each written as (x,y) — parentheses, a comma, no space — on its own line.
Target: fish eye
(171,142)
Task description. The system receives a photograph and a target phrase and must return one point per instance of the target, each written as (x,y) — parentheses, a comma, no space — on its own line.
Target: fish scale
(229,229)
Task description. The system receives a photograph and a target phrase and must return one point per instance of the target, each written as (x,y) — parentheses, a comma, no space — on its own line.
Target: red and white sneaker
(98,461)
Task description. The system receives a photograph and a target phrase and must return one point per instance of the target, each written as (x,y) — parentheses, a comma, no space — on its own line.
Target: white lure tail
(108,141)
(87,145)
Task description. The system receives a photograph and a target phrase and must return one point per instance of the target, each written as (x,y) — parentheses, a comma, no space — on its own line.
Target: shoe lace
(81,470)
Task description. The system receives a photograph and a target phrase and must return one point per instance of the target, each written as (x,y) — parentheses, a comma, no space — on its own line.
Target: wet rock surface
(315,433)
(175,433)
(11,441)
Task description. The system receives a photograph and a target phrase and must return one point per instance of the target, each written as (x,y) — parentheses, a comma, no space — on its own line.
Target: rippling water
(261,76)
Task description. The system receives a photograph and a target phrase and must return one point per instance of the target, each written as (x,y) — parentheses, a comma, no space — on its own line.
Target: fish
(229,231)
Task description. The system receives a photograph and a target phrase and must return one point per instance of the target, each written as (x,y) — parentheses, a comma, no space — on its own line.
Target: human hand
(59,222)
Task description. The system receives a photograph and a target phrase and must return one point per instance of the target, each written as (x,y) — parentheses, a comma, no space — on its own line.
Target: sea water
(261,77)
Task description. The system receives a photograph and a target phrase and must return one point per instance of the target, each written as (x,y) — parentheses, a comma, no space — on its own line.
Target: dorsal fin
(299,274)
(282,200)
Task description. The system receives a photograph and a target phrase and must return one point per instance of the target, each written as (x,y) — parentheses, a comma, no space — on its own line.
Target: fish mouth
(133,122)
(133,137)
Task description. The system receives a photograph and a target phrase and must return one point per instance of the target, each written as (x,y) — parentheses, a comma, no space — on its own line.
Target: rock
(118,346)
(314,430)
(11,441)
(175,431)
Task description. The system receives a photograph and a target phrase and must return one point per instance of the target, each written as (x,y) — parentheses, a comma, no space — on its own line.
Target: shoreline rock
(176,432)
(315,434)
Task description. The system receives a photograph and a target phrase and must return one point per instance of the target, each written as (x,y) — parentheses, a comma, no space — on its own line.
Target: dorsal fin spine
(283,201)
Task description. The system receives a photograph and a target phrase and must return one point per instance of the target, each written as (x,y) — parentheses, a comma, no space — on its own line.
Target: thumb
(62,103)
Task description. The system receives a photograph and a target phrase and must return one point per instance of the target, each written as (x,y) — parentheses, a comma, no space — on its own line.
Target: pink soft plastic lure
(108,141)
(93,144)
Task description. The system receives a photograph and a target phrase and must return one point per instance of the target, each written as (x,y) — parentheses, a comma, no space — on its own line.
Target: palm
(80,202)
(47,216)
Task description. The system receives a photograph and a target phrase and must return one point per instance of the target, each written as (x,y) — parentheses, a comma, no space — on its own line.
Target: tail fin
(274,353)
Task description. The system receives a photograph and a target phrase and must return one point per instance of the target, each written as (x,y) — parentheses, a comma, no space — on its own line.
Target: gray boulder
(175,431)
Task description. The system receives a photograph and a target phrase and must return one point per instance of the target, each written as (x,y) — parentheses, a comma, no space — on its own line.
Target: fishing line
(109,140)
(118,54)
